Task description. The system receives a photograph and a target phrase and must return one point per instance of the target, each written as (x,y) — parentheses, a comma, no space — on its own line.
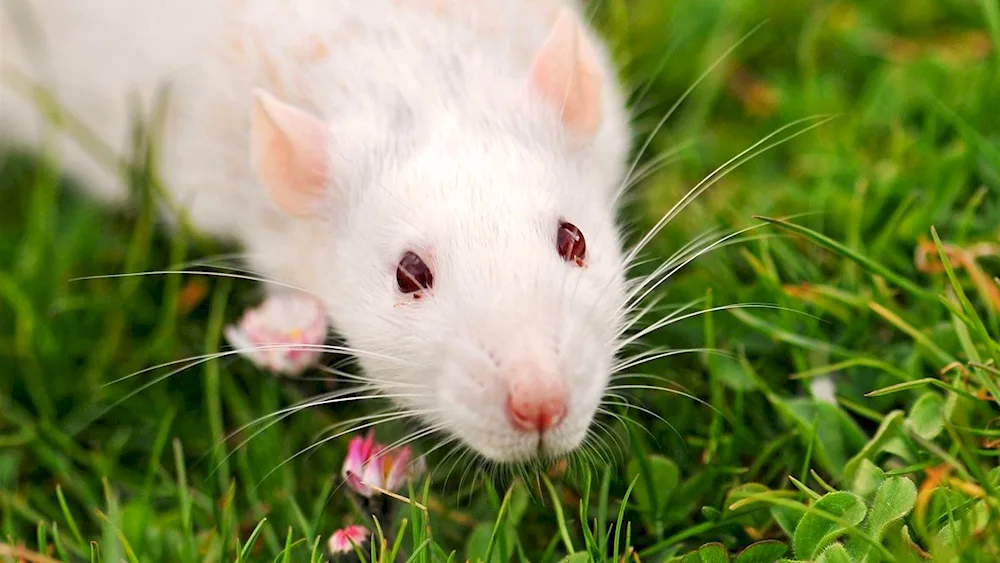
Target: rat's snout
(536,397)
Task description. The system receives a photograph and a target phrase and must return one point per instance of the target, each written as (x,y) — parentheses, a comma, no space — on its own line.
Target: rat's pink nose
(535,405)
(534,416)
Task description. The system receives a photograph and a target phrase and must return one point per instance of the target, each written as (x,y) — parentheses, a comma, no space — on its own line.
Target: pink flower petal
(340,541)
(397,467)
(358,462)
(373,474)
(266,334)
(370,465)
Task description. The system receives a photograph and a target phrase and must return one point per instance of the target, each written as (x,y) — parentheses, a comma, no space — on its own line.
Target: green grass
(910,165)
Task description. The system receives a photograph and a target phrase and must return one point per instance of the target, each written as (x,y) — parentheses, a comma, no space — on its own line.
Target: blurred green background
(142,466)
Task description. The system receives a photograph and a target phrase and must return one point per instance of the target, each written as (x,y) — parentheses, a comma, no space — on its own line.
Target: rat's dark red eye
(570,243)
(412,274)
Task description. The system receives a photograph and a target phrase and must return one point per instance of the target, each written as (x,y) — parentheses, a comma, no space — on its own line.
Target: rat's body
(465,132)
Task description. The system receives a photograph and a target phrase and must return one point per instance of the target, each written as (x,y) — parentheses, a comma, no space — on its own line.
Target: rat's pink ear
(565,72)
(289,152)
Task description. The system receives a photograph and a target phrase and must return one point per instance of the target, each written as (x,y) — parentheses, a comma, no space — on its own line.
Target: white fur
(439,147)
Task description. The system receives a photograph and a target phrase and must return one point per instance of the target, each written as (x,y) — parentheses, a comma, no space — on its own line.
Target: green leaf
(868,478)
(713,553)
(893,501)
(972,522)
(711,513)
(835,554)
(757,519)
(520,499)
(926,416)
(886,431)
(709,553)
(816,531)
(837,434)
(787,518)
(478,542)
(766,551)
(578,557)
(664,476)
(732,374)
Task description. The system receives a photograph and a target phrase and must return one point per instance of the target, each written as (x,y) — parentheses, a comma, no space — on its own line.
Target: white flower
(264,334)
(823,389)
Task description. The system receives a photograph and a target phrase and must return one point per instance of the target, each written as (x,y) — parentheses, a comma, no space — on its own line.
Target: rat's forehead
(485,189)
(483,169)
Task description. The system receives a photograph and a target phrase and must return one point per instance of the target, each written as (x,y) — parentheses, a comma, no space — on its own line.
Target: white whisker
(668,321)
(338,435)
(665,390)
(680,100)
(633,362)
(723,170)
(198,273)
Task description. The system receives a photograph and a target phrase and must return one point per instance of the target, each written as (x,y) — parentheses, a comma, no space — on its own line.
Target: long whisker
(655,164)
(414,436)
(628,405)
(469,466)
(338,435)
(286,412)
(680,100)
(627,324)
(216,355)
(305,403)
(654,377)
(462,450)
(677,256)
(665,319)
(449,439)
(671,267)
(667,390)
(633,362)
(198,273)
(625,419)
(598,447)
(665,322)
(242,444)
(198,361)
(609,431)
(372,380)
(722,171)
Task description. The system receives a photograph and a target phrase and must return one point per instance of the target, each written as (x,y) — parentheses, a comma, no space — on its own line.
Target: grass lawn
(718,451)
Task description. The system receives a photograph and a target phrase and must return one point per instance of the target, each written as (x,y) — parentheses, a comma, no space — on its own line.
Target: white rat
(443,174)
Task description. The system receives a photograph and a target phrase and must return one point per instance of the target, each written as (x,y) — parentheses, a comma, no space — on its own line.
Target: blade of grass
(944,357)
(918,383)
(621,515)
(865,262)
(970,311)
(212,391)
(866,362)
(68,516)
(501,522)
(560,517)
(252,540)
(184,498)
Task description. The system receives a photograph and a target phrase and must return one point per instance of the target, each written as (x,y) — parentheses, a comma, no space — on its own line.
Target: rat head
(478,268)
